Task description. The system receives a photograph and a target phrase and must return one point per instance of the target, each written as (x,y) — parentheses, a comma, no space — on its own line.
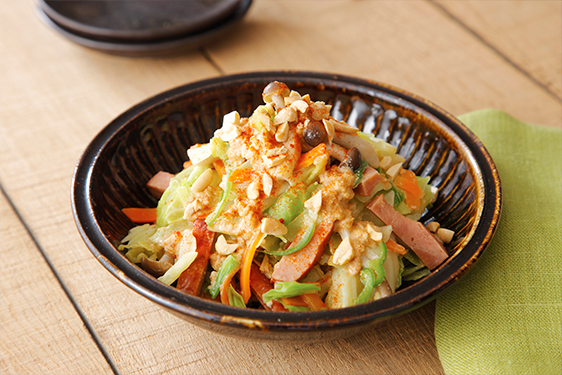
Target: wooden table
(62,312)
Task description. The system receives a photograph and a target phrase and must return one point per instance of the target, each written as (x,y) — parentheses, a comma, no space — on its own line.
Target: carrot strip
(396,247)
(293,301)
(313,301)
(407,181)
(187,164)
(241,175)
(309,157)
(219,167)
(140,215)
(225,285)
(247,266)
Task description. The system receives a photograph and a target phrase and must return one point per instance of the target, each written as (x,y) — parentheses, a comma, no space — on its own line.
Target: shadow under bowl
(155,134)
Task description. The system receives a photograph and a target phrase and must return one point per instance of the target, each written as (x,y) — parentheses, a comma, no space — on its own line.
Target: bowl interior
(155,135)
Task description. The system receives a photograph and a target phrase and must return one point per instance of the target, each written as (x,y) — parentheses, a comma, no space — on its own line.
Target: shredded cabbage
(330,247)
(172,203)
(181,264)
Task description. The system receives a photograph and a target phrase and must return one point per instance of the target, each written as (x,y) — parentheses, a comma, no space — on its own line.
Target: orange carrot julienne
(219,167)
(241,175)
(293,301)
(407,181)
(313,301)
(140,215)
(309,157)
(225,285)
(396,247)
(245,290)
(187,164)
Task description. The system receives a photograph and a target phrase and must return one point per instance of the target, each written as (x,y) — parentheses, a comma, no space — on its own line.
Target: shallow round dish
(136,20)
(155,134)
(150,47)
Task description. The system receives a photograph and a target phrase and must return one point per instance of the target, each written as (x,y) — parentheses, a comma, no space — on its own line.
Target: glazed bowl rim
(489,205)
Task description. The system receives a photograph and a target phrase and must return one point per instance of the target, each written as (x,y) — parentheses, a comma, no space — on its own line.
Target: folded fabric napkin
(505,315)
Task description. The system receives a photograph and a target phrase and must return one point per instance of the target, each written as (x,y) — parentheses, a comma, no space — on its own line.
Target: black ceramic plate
(158,47)
(137,20)
(155,134)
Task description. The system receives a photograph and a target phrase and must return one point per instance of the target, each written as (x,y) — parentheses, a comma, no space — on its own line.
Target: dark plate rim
(403,301)
(204,21)
(152,47)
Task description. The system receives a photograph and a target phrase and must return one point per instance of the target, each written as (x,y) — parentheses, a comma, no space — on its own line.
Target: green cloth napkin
(505,315)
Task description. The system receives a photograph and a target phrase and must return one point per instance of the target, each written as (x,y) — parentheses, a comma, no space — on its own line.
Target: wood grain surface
(527,33)
(410,44)
(56,96)
(40,327)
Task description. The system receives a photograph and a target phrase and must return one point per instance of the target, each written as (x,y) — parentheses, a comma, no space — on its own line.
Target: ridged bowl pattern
(155,135)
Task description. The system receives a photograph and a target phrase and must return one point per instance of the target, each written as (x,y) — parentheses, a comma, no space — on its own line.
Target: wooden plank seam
(74,303)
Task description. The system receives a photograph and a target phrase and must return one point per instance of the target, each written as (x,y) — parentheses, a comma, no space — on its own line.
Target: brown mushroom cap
(353,159)
(274,88)
(314,133)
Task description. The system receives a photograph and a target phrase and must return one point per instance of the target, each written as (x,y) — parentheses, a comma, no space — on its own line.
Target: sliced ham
(371,177)
(159,183)
(413,233)
(294,266)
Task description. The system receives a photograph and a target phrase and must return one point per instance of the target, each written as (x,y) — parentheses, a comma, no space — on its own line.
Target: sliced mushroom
(337,152)
(352,140)
(157,267)
(353,159)
(275,88)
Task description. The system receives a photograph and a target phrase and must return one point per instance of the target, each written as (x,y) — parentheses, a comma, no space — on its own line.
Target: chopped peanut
(445,235)
(330,130)
(282,133)
(273,227)
(287,114)
(224,248)
(267,183)
(392,172)
(433,226)
(252,190)
(343,253)
(314,204)
(300,105)
(202,181)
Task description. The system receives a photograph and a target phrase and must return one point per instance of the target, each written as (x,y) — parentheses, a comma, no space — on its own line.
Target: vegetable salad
(288,210)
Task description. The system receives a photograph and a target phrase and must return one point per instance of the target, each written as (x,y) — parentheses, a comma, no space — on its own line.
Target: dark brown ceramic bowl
(155,134)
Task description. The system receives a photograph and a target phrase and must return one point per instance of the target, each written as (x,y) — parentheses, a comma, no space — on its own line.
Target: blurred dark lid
(134,20)
(157,47)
